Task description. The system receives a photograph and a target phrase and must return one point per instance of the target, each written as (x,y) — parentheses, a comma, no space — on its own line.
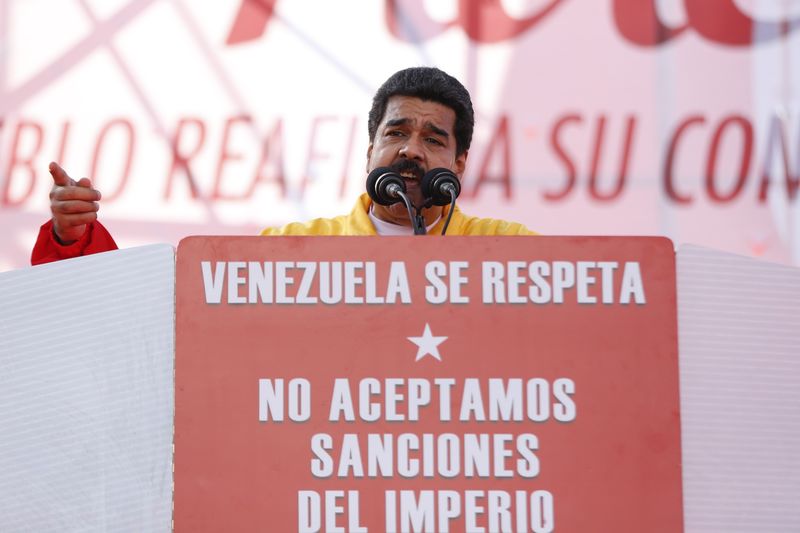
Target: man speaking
(420,128)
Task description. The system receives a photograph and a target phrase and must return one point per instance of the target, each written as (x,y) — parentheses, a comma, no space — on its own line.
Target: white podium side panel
(739,339)
(86,393)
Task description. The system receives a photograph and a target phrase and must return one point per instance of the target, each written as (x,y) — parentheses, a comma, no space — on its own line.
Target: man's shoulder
(318,226)
(355,223)
(469,225)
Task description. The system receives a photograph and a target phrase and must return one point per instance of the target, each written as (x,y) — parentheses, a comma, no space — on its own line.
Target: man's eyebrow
(430,125)
(437,130)
(397,122)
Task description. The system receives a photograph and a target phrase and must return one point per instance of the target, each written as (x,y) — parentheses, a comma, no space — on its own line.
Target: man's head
(430,84)
(421,119)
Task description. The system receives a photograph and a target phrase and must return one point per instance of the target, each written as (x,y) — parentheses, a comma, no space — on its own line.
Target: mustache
(407,165)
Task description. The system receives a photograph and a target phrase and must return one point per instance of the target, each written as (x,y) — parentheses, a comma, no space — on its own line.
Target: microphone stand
(416,218)
(418,223)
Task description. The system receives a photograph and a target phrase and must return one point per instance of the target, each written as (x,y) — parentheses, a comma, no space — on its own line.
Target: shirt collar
(388,229)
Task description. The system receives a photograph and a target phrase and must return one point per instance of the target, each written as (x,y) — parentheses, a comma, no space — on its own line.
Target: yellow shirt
(358,223)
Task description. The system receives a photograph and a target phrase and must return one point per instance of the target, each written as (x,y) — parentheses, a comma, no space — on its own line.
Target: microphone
(441,186)
(385,187)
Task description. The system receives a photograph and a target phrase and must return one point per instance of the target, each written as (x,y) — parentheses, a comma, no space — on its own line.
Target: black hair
(432,84)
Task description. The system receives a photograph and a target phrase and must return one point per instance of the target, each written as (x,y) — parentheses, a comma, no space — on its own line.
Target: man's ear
(460,164)
(369,154)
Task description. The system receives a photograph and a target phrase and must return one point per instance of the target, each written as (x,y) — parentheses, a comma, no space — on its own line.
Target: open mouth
(409,171)
(410,177)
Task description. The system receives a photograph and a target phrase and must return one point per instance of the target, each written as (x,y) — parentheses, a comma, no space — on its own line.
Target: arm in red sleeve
(95,239)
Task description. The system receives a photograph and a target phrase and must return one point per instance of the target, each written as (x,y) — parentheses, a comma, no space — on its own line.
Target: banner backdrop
(671,117)
(485,384)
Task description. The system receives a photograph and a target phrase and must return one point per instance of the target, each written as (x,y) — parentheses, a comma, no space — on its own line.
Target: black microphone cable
(417,221)
(452,208)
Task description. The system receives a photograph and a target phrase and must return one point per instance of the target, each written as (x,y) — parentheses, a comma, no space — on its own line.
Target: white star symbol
(428,344)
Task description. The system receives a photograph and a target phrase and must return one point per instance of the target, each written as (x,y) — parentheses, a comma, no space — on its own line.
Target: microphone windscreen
(432,185)
(377,182)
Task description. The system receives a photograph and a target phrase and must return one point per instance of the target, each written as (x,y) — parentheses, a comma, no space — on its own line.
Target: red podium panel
(427,384)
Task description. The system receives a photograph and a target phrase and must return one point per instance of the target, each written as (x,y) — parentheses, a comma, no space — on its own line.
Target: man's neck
(382,227)
(398,214)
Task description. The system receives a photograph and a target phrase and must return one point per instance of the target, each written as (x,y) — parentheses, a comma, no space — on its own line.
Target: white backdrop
(670,117)
(87,402)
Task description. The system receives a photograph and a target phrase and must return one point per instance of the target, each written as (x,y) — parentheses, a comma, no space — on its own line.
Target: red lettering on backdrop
(225,155)
(669,161)
(719,21)
(594,189)
(484,21)
(313,154)
(251,20)
(499,141)
(638,21)
(495,165)
(777,134)
(271,151)
(351,140)
(127,127)
(180,159)
(746,155)
(561,154)
(16,160)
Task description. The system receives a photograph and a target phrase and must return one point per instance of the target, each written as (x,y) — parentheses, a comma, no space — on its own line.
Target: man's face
(415,136)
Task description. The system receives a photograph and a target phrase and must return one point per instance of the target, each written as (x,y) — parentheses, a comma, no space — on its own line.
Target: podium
(361,384)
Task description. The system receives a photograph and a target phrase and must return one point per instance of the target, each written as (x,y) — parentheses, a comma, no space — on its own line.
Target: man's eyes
(400,133)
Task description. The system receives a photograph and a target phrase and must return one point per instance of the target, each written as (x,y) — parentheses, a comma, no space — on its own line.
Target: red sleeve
(95,239)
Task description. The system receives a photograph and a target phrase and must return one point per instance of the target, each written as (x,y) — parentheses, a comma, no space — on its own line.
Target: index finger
(60,176)
(69,193)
